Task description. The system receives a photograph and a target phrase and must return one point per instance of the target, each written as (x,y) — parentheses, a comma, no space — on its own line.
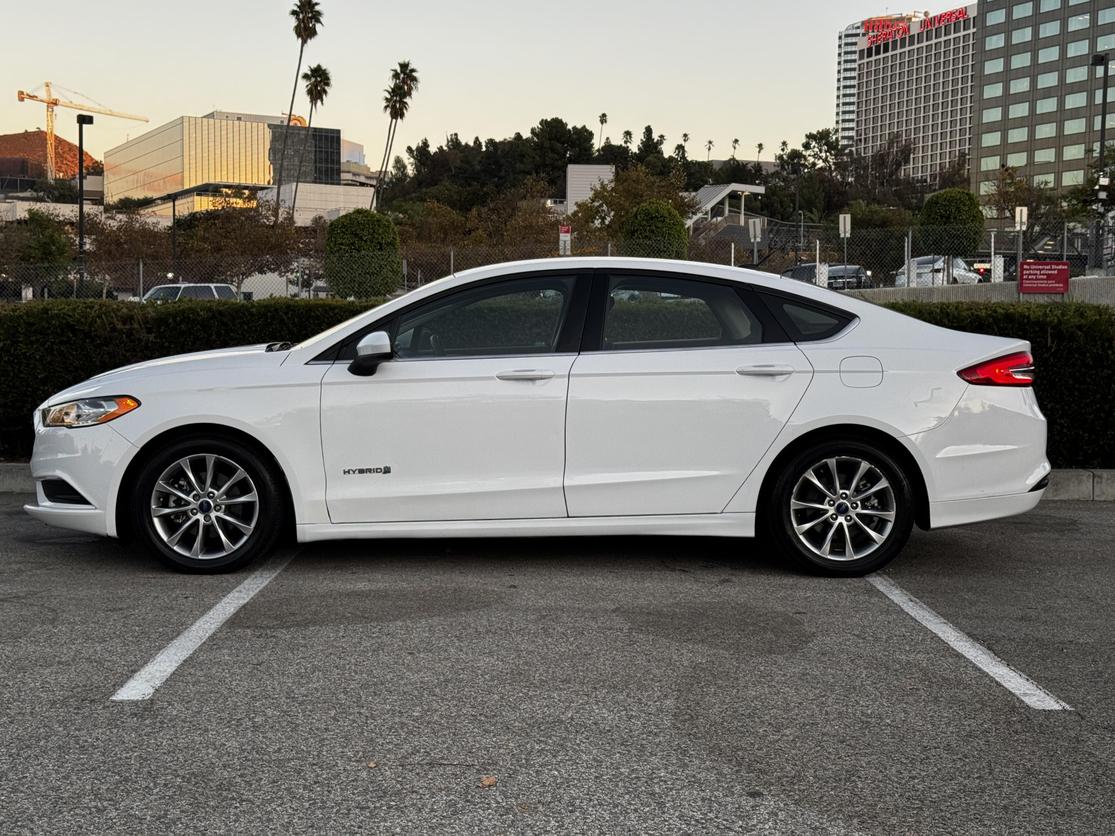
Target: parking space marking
(1013,680)
(155,673)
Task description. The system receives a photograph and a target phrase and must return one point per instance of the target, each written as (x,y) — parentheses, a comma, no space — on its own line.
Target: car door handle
(765,370)
(525,374)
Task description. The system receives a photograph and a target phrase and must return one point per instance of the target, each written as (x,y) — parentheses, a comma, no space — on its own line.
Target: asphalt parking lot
(606,685)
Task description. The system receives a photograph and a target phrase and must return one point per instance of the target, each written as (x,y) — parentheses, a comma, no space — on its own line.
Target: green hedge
(1074,350)
(48,346)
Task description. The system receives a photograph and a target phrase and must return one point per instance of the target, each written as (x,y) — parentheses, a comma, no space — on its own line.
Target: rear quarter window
(804,321)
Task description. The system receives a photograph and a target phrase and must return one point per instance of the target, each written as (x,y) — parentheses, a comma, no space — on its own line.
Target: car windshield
(162,293)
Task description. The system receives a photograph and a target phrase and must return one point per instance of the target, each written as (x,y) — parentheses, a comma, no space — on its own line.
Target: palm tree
(685,139)
(318,83)
(628,138)
(708,147)
(735,145)
(396,103)
(603,121)
(307,19)
(758,151)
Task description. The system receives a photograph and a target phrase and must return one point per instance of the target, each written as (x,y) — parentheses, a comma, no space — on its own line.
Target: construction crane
(52,102)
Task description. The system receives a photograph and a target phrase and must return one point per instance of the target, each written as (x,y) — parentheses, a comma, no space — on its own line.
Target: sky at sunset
(761,72)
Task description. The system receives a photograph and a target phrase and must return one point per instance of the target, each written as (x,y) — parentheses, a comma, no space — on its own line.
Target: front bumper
(91,460)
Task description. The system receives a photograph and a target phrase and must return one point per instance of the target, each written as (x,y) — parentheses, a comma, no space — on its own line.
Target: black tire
(241,548)
(779,518)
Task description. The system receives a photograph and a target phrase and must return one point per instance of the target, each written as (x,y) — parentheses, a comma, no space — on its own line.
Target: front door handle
(765,370)
(525,374)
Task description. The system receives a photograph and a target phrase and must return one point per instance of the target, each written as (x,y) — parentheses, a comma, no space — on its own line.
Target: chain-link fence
(885,264)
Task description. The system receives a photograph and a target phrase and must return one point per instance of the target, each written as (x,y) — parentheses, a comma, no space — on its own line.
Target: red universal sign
(1044,277)
(944,18)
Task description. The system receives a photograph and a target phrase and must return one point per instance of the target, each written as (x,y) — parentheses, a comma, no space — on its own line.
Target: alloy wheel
(204,506)
(842,508)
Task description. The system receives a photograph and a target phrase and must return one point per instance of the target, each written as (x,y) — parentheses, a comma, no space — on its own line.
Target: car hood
(222,361)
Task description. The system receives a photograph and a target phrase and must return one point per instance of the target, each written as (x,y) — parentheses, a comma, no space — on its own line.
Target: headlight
(88,411)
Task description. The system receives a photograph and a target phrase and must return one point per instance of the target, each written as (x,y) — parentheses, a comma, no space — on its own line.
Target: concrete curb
(1079,485)
(15,477)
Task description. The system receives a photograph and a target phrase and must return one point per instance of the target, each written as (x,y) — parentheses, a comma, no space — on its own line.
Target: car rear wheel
(841,508)
(207,505)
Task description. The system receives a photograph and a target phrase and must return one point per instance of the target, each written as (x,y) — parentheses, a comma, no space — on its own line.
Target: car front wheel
(841,508)
(207,505)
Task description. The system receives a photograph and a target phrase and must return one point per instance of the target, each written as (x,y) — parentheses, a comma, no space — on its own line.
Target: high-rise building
(1038,96)
(846,44)
(199,158)
(914,81)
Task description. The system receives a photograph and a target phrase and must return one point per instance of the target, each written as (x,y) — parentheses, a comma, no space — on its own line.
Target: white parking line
(1014,681)
(155,673)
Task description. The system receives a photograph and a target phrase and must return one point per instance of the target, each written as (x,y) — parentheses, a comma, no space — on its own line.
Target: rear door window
(655,312)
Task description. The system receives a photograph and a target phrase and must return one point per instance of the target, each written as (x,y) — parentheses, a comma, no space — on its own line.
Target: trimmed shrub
(951,223)
(362,258)
(48,346)
(655,230)
(1074,349)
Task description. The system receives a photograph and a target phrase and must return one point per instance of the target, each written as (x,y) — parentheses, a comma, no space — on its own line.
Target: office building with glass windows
(195,161)
(1038,97)
(914,78)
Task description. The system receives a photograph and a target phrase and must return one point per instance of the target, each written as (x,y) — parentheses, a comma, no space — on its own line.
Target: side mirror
(373,349)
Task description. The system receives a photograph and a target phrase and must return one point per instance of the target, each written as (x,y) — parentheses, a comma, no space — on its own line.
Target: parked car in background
(929,270)
(204,292)
(840,276)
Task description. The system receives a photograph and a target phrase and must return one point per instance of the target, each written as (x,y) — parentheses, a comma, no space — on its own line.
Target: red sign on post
(1044,277)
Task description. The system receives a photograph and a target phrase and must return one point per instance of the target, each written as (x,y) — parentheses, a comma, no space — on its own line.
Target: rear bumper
(989,454)
(962,511)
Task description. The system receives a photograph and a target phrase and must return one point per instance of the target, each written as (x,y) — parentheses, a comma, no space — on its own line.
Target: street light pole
(83,119)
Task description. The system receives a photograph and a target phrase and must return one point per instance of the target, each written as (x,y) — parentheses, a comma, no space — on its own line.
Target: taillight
(1011,370)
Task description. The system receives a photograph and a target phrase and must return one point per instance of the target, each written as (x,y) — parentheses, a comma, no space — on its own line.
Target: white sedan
(581,396)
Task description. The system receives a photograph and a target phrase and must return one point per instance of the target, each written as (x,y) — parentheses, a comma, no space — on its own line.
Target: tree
(307,19)
(318,83)
(758,150)
(396,103)
(685,141)
(654,229)
(627,138)
(951,224)
(608,207)
(47,241)
(708,148)
(735,145)
(362,255)
(603,121)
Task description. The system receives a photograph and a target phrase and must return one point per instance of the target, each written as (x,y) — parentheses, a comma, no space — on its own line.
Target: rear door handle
(525,374)
(766,370)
